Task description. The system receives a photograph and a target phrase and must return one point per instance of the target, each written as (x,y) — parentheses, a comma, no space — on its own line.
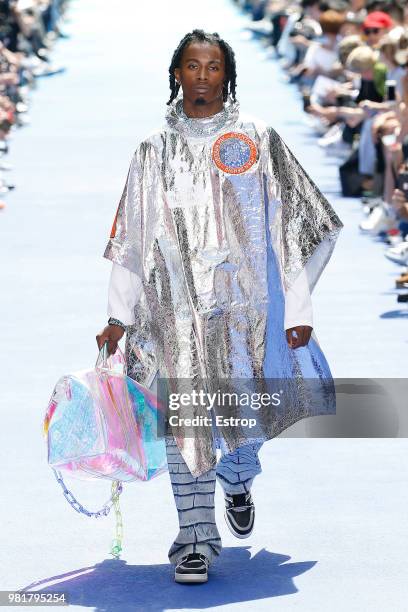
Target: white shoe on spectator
(21,107)
(379,220)
(332,136)
(370,203)
(394,240)
(398,253)
(317,124)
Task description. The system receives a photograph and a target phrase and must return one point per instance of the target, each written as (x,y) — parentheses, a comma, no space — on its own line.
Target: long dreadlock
(213,39)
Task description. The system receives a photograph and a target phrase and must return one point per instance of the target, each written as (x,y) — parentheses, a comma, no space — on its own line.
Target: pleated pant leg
(194,498)
(236,471)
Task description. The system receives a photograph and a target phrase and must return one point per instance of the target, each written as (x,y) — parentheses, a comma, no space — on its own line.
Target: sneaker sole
(395,259)
(191,578)
(236,533)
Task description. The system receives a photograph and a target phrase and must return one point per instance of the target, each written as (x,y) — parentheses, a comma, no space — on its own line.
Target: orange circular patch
(234,153)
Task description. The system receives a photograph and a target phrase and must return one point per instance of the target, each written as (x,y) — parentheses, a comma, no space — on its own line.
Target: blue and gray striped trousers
(194,497)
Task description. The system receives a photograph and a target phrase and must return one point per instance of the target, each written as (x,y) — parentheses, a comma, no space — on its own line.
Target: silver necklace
(203,126)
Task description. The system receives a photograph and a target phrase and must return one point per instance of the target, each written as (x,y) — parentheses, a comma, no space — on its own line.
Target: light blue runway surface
(331,527)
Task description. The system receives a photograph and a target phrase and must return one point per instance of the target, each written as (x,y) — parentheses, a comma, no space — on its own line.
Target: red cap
(378,19)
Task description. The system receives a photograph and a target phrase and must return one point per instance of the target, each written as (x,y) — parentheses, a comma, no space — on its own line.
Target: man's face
(373,36)
(201,73)
(313,11)
(349,29)
(357,5)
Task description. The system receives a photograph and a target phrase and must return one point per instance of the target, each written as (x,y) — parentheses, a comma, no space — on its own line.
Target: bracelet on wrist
(112,321)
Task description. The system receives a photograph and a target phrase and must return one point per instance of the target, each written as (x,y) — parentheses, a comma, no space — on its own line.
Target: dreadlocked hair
(213,39)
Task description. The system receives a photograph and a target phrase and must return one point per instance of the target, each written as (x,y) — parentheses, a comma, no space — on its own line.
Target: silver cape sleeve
(304,226)
(132,233)
(125,243)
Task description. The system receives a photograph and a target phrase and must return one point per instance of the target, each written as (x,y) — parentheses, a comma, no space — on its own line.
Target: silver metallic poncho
(218,218)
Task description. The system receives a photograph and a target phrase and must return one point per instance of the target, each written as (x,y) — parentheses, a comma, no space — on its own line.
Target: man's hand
(303,336)
(111,334)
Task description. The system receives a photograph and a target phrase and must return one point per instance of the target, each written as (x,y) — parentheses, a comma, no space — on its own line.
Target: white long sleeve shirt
(125,288)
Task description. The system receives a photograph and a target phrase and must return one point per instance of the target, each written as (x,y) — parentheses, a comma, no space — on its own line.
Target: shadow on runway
(394,314)
(114,586)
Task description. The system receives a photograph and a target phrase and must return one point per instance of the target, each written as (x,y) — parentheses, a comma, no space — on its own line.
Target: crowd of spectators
(349,59)
(28,31)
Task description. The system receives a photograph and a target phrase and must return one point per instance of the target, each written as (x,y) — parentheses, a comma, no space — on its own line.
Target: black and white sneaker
(239,514)
(192,568)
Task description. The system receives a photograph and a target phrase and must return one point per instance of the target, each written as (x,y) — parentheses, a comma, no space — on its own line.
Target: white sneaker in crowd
(398,253)
(332,136)
(333,143)
(319,126)
(370,203)
(379,220)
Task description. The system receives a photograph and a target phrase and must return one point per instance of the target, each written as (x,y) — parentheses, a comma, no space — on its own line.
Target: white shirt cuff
(125,289)
(298,303)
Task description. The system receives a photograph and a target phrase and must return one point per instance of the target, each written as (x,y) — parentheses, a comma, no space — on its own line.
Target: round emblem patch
(234,152)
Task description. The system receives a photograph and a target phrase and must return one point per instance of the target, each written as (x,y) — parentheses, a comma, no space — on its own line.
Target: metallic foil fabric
(218,218)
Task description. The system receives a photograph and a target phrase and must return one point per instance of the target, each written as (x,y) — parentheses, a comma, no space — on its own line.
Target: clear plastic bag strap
(108,362)
(102,359)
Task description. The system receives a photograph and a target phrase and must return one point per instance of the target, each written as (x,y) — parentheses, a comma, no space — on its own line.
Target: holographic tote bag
(102,424)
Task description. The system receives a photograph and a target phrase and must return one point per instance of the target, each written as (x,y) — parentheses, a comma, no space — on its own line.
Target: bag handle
(109,362)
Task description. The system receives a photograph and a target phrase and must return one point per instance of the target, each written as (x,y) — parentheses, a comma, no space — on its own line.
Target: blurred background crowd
(28,31)
(349,60)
